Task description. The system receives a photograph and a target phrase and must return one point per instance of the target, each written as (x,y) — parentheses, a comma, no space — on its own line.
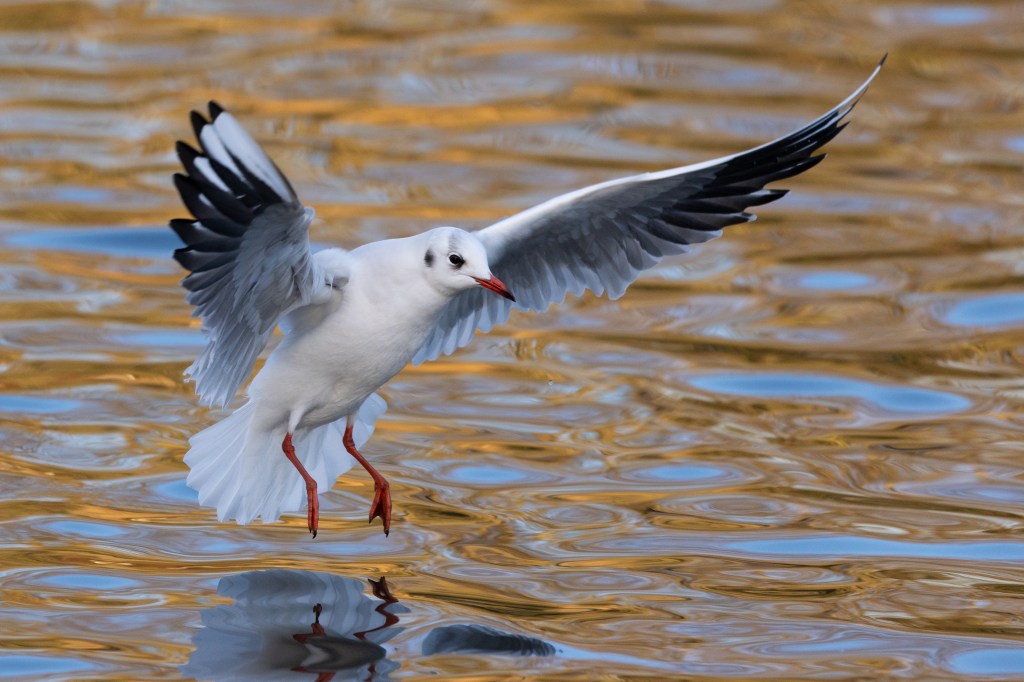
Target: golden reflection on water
(793,454)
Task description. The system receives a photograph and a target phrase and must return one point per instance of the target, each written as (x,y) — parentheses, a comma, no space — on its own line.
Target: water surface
(793,454)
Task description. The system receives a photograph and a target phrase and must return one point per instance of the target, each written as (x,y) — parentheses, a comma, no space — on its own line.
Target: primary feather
(247,249)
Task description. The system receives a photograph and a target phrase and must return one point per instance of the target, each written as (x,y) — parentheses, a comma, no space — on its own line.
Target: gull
(351,320)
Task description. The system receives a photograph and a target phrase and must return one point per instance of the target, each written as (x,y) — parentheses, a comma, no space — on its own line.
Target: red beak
(496,285)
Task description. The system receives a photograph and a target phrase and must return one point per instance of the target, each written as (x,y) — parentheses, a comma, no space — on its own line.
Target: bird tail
(243,472)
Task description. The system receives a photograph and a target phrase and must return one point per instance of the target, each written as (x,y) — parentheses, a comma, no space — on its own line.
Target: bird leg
(312,499)
(381,505)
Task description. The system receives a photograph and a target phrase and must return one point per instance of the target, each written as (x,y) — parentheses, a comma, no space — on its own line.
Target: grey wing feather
(601,237)
(247,250)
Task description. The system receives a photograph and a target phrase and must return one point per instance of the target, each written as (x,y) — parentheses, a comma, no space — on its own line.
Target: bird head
(455,260)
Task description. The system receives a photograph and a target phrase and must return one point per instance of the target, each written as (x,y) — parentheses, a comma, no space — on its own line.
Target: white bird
(354,319)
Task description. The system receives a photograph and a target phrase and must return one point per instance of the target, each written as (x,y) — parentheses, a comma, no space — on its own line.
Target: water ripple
(792,454)
(902,400)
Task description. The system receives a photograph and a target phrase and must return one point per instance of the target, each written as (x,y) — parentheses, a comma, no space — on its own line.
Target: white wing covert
(601,237)
(247,250)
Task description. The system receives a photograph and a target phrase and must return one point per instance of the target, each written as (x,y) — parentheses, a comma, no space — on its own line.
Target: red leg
(381,505)
(312,499)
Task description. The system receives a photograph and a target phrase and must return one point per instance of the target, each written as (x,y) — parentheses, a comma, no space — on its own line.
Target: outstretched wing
(601,237)
(247,249)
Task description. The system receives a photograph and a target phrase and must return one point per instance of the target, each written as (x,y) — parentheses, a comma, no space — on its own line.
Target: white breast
(325,371)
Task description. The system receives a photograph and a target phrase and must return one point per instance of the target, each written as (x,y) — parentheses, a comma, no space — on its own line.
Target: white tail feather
(243,472)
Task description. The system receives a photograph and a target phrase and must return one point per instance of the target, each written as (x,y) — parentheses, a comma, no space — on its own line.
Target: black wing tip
(810,162)
(198,122)
(189,193)
(854,99)
(181,226)
(187,154)
(182,180)
(182,256)
(215,109)
(801,144)
(190,231)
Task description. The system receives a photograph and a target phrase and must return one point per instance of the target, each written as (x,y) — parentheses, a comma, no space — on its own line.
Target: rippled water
(795,453)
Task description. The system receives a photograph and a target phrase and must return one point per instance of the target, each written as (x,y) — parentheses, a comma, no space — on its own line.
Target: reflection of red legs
(316,630)
(381,591)
(381,505)
(312,499)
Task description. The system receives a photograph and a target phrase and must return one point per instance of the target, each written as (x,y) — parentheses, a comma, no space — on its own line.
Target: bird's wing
(247,250)
(601,237)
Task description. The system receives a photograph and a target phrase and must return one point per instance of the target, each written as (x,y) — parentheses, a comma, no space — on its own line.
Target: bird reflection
(287,624)
(267,634)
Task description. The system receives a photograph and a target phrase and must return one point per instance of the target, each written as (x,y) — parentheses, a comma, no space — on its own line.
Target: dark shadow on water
(479,639)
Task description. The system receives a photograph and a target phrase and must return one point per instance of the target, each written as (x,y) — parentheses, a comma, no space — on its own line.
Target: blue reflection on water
(81,195)
(833,545)
(997,309)
(679,472)
(89,581)
(151,242)
(35,405)
(24,666)
(787,385)
(953,15)
(833,644)
(156,242)
(989,662)
(177,490)
(161,339)
(85,529)
(487,475)
(834,280)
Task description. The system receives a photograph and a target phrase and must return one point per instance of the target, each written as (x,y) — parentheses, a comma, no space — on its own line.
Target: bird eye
(456,260)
